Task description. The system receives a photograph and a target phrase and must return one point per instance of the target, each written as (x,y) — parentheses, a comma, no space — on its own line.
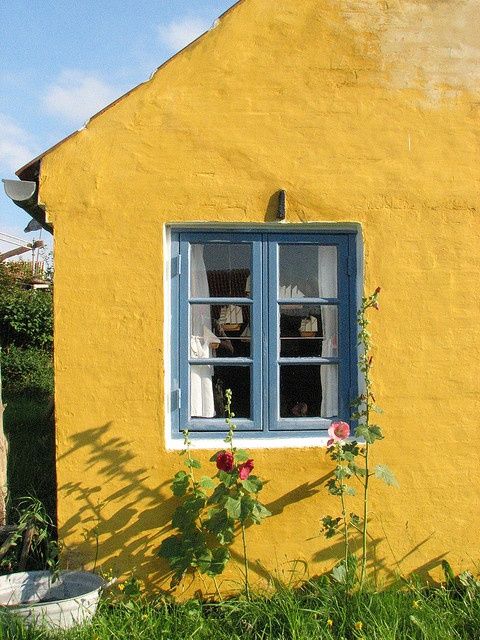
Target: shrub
(26,318)
(26,371)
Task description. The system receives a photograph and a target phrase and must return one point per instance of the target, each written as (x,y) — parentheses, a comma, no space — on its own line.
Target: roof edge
(31,166)
(24,193)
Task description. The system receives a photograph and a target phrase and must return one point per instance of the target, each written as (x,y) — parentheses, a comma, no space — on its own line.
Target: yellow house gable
(366,114)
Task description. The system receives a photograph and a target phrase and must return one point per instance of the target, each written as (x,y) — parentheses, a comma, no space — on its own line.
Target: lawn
(318,610)
(28,425)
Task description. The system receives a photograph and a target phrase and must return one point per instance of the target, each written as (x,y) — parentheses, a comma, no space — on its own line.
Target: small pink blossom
(245,469)
(338,432)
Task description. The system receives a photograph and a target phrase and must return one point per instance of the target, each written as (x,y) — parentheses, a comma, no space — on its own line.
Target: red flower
(224,461)
(245,469)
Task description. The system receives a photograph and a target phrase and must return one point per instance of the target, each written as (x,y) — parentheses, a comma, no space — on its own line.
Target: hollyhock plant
(225,461)
(338,432)
(245,469)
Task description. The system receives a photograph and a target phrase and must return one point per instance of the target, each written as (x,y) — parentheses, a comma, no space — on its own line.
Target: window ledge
(250,443)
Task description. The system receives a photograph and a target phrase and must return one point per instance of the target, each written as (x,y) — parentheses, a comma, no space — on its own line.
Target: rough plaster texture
(364,112)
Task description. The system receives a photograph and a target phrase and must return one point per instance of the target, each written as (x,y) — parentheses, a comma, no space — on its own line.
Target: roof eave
(24,193)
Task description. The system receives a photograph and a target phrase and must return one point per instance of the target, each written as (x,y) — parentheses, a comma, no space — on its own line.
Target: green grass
(28,425)
(407,613)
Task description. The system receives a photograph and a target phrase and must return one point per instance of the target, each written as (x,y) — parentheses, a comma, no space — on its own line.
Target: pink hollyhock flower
(338,431)
(245,469)
(224,461)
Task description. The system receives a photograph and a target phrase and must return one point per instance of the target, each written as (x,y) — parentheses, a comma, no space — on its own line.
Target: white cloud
(177,34)
(76,96)
(16,145)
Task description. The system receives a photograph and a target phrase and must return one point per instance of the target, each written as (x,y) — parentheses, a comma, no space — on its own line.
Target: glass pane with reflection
(220,270)
(307,271)
(220,331)
(208,384)
(308,391)
(308,330)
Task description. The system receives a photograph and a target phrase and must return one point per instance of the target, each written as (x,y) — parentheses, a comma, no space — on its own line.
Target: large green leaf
(241,455)
(227,477)
(192,463)
(382,472)
(252,484)
(180,483)
(219,493)
(220,557)
(259,512)
(206,482)
(233,507)
(221,525)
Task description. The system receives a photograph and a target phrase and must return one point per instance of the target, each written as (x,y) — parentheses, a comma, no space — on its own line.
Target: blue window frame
(271,316)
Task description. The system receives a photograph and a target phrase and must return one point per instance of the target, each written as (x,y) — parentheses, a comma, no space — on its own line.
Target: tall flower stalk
(348,453)
(211,508)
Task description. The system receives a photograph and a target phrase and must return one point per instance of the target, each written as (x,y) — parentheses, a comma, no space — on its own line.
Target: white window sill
(249,443)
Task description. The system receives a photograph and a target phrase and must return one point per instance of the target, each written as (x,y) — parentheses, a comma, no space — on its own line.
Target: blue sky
(62,61)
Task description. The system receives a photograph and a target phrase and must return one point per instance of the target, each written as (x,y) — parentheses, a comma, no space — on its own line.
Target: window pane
(218,331)
(308,391)
(308,330)
(220,270)
(307,271)
(207,391)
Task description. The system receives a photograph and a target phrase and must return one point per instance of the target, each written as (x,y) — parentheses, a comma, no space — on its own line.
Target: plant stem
(245,563)
(345,527)
(365,519)
(214,578)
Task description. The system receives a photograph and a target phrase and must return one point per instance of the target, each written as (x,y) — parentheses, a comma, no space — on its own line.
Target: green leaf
(233,507)
(171,547)
(259,512)
(342,472)
(334,488)
(241,455)
(221,525)
(369,434)
(186,514)
(228,478)
(252,484)
(203,559)
(220,557)
(192,463)
(330,526)
(180,484)
(358,471)
(355,520)
(339,573)
(345,571)
(382,472)
(218,494)
(247,504)
(206,482)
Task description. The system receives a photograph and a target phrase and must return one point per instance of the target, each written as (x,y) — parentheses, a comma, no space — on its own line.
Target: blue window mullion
(183,322)
(351,310)
(256,330)
(343,332)
(271,313)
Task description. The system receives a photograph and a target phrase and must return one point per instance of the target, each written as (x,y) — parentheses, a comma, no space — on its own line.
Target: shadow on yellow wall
(122,522)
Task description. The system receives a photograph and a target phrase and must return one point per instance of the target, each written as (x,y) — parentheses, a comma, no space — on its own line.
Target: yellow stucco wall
(365,112)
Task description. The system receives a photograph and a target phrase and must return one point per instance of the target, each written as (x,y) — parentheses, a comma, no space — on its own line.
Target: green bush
(26,318)
(27,371)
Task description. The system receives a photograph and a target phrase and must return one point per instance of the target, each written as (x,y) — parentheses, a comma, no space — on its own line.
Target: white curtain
(327,288)
(201,338)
